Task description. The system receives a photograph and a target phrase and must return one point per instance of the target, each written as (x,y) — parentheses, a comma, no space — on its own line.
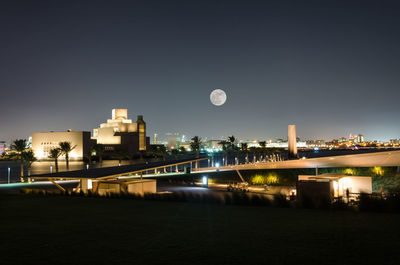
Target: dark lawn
(74,230)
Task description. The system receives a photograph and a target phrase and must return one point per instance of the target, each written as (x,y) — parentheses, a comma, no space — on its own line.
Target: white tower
(292,141)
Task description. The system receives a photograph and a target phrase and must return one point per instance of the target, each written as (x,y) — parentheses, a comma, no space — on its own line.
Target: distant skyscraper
(292,141)
(359,138)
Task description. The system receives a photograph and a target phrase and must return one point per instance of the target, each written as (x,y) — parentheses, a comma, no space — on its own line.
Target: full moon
(218,97)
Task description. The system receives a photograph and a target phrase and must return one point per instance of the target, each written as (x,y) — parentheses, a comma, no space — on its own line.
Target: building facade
(121,134)
(43,142)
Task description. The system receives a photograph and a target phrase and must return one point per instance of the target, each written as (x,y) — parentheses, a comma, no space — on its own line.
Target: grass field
(77,230)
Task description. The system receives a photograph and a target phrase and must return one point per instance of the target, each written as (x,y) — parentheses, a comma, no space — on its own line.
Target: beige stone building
(43,142)
(120,133)
(117,134)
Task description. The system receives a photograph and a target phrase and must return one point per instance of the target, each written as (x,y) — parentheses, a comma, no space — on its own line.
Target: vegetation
(19,146)
(244,148)
(158,151)
(195,145)
(66,148)
(28,157)
(175,153)
(153,232)
(23,155)
(55,153)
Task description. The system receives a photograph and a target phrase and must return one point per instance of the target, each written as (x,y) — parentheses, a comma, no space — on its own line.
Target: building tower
(141,127)
(292,141)
(155,138)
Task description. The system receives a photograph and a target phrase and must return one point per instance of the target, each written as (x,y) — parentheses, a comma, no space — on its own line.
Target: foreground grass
(76,230)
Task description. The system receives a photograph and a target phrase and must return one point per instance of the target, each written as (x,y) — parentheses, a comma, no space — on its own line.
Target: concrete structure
(378,159)
(120,133)
(292,141)
(342,183)
(43,142)
(131,187)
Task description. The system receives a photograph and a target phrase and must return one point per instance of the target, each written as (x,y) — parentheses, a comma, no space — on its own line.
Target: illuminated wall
(105,134)
(341,183)
(292,141)
(43,142)
(142,133)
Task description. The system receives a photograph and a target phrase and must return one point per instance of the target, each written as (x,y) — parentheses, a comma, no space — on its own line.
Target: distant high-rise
(292,141)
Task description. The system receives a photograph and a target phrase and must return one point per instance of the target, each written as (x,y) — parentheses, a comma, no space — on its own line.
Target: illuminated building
(120,133)
(292,141)
(359,139)
(2,147)
(43,142)
(173,142)
(333,185)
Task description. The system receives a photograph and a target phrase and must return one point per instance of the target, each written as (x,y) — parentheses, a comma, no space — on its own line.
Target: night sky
(330,67)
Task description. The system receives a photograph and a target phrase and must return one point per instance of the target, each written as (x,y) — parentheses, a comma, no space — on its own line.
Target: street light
(205,181)
(8,175)
(51,169)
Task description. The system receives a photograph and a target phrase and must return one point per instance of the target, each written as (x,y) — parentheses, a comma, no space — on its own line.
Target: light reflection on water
(44,167)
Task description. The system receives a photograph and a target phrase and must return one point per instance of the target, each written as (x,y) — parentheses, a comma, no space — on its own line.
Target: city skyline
(331,69)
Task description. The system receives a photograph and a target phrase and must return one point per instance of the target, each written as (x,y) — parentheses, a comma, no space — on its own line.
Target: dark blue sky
(330,67)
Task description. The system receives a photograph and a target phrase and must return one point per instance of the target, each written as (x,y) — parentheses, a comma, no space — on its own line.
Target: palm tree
(224,150)
(28,157)
(245,149)
(55,154)
(195,145)
(254,151)
(162,151)
(99,149)
(232,148)
(66,148)
(19,146)
(263,144)
(182,149)
(175,153)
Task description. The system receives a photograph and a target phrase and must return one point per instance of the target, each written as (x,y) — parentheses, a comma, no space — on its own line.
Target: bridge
(118,173)
(156,169)
(384,159)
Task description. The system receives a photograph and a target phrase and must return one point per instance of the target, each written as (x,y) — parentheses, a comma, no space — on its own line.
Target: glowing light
(205,181)
(378,171)
(349,171)
(217,165)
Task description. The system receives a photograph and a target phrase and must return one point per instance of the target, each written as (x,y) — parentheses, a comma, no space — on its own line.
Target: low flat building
(331,186)
(43,142)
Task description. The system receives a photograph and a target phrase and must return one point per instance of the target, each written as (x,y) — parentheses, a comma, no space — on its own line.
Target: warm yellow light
(378,171)
(349,171)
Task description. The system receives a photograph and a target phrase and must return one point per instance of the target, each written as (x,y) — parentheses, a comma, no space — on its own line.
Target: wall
(44,141)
